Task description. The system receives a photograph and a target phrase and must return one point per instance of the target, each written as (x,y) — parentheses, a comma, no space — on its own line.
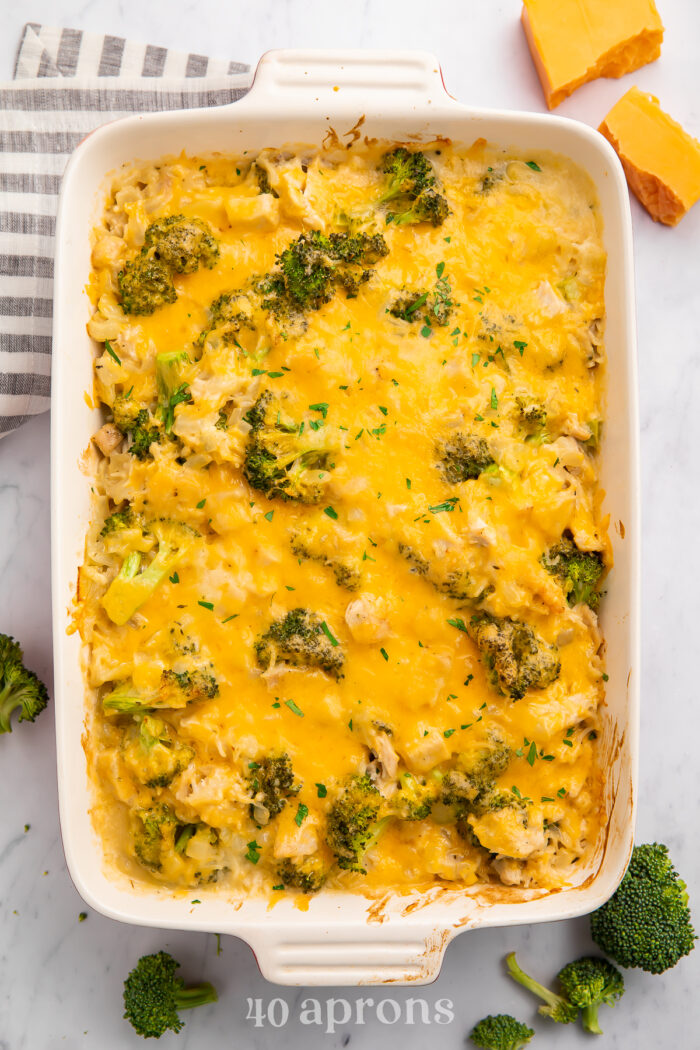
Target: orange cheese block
(661,160)
(574,41)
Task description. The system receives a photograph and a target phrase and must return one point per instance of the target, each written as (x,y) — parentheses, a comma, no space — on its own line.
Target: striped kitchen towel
(43,117)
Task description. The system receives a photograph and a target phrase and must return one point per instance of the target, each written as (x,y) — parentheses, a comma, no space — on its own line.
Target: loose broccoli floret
(152,829)
(463,457)
(277,461)
(272,783)
(20,689)
(158,756)
(145,285)
(469,787)
(589,982)
(172,390)
(555,1006)
(355,823)
(578,570)
(307,875)
(408,172)
(501,1032)
(136,422)
(532,419)
(430,206)
(647,921)
(153,995)
(131,587)
(490,179)
(515,658)
(299,639)
(181,244)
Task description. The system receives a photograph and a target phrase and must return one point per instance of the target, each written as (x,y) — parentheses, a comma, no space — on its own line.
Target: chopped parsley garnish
(231,617)
(321,790)
(174,578)
(320,406)
(112,353)
(294,708)
(201,503)
(459,623)
(448,732)
(301,813)
(328,633)
(531,164)
(384,653)
(252,854)
(519,345)
(331,512)
(269,515)
(206,605)
(494,399)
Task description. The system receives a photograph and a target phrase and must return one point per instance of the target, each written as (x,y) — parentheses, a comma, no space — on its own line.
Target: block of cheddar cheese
(661,160)
(574,41)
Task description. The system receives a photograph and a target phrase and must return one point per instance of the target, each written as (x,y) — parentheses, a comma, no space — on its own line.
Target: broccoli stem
(197,995)
(589,1018)
(556,1007)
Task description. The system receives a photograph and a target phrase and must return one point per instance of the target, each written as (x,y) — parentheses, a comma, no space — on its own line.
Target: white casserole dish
(297,97)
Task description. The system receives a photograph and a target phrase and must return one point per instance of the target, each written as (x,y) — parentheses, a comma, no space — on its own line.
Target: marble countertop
(60,979)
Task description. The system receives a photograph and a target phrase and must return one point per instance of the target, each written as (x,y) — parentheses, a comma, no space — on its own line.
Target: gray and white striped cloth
(43,117)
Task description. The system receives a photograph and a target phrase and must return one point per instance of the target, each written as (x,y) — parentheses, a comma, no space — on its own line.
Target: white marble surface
(60,980)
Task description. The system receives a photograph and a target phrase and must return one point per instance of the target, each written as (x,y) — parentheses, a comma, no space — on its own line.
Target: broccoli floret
(430,206)
(120,520)
(313,264)
(181,244)
(145,285)
(272,783)
(20,689)
(158,756)
(153,995)
(532,419)
(409,173)
(469,787)
(414,799)
(191,685)
(555,1006)
(490,179)
(456,584)
(516,659)
(172,390)
(131,587)
(347,576)
(463,457)
(408,306)
(501,1032)
(277,461)
(263,179)
(307,874)
(589,982)
(152,829)
(578,570)
(299,639)
(647,921)
(355,823)
(177,689)
(136,422)
(230,313)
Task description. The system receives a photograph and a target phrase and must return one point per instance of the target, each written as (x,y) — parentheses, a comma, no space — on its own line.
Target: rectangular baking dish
(303,98)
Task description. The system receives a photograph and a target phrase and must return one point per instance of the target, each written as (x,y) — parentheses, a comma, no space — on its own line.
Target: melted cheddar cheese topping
(455,677)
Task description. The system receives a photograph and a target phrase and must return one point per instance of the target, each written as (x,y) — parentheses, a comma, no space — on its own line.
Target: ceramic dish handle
(351,955)
(397,80)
